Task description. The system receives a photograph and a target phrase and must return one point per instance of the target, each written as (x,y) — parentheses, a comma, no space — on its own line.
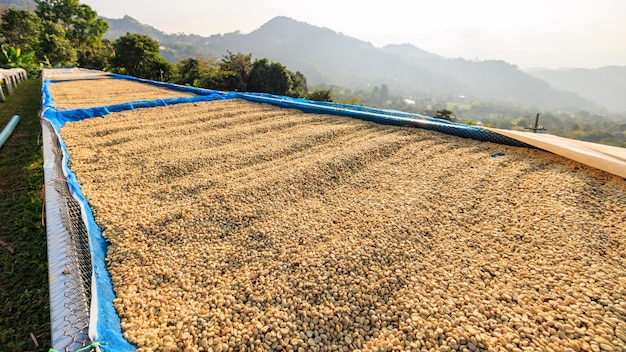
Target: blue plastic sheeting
(107,329)
(385,117)
(58,118)
(366,109)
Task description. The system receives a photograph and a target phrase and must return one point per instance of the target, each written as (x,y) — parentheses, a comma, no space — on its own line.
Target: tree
(236,72)
(20,29)
(266,77)
(445,114)
(232,74)
(80,22)
(240,64)
(188,71)
(55,47)
(226,80)
(298,87)
(138,55)
(321,95)
(192,71)
(97,57)
(81,27)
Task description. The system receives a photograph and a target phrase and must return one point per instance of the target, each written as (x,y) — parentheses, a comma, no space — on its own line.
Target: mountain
(19,4)
(606,85)
(325,56)
(409,51)
(174,47)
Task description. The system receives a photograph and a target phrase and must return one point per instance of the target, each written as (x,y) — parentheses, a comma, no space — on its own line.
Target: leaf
(28,58)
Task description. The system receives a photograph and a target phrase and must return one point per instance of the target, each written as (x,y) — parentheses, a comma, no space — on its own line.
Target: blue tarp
(107,329)
(107,321)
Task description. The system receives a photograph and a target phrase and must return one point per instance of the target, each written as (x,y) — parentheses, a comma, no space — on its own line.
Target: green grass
(24,300)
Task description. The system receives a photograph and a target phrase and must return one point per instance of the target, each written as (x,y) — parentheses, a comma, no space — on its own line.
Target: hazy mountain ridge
(325,56)
(605,85)
(19,4)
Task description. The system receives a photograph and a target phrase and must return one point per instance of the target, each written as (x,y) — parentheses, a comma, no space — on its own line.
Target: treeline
(67,34)
(58,33)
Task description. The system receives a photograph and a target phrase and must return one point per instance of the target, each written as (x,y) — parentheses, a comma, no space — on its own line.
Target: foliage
(269,77)
(72,34)
(219,79)
(298,88)
(240,65)
(20,29)
(12,57)
(445,114)
(191,71)
(24,274)
(80,22)
(321,95)
(138,55)
(55,47)
(237,72)
(96,57)
(231,74)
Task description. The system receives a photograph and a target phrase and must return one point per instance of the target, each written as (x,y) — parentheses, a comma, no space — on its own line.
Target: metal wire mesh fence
(71,290)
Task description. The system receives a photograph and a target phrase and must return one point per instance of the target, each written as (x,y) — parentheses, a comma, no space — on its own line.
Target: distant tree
(375,96)
(266,77)
(192,71)
(97,57)
(20,29)
(138,55)
(232,74)
(54,46)
(321,95)
(238,63)
(445,114)
(160,69)
(352,101)
(298,87)
(237,72)
(521,122)
(226,80)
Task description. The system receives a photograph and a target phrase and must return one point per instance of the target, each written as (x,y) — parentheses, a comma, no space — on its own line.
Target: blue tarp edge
(108,324)
(385,117)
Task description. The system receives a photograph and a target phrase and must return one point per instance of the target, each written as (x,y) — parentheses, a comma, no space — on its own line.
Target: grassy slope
(24,301)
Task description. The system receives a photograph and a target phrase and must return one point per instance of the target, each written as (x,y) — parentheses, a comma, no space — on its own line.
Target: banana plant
(12,57)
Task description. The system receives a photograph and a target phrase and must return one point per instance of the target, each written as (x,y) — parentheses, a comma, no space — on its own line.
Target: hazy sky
(527,33)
